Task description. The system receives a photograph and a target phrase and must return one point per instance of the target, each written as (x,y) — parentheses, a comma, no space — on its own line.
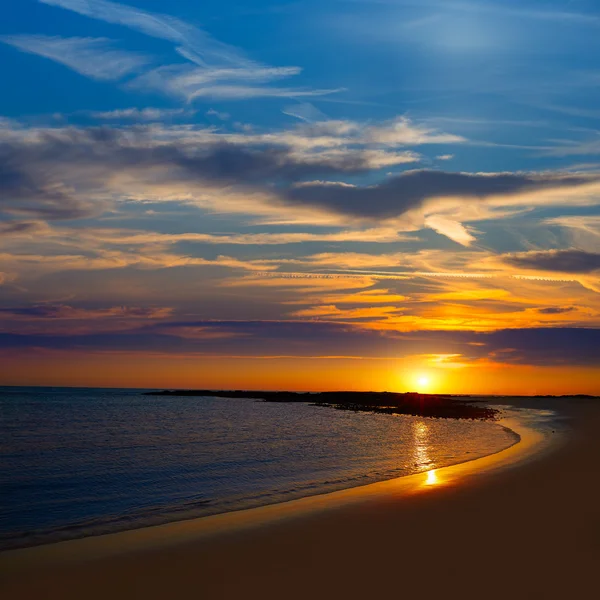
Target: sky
(334,194)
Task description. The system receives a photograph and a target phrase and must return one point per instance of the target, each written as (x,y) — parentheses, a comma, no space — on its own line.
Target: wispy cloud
(222,116)
(138,237)
(189,83)
(92,57)
(521,12)
(403,131)
(102,259)
(558,14)
(192,41)
(305,112)
(588,224)
(141,114)
(218,70)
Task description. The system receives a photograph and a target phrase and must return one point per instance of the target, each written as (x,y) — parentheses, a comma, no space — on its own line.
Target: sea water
(78,462)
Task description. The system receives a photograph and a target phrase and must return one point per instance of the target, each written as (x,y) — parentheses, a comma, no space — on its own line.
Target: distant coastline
(410,403)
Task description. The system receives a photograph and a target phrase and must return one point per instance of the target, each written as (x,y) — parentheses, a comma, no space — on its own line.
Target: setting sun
(423,383)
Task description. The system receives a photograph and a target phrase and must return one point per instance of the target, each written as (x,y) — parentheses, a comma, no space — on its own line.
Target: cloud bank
(70,172)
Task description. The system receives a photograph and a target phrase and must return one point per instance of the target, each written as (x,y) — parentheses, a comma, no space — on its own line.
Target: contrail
(357,274)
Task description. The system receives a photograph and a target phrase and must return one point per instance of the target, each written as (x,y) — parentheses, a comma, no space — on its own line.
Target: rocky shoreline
(425,405)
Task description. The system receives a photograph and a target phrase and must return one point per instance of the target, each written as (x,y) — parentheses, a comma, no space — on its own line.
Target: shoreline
(529,443)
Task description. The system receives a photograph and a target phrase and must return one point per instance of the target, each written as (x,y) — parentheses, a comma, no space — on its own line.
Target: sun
(423,382)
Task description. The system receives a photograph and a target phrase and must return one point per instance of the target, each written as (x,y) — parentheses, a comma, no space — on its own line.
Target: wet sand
(524,523)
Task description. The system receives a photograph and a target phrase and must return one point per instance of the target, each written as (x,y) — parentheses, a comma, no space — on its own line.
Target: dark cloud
(546,347)
(556,310)
(12,227)
(31,184)
(44,311)
(409,190)
(560,261)
(64,311)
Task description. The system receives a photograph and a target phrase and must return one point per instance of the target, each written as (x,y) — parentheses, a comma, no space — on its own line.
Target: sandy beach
(524,523)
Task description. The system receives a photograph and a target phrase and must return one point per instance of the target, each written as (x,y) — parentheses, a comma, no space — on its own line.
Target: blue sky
(385,166)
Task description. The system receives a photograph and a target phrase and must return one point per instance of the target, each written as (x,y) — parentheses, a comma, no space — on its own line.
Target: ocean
(79,462)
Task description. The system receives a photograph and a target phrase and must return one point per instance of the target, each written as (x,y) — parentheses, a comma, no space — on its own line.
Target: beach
(523,522)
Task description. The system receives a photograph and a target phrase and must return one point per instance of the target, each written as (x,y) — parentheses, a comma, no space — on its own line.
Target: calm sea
(79,462)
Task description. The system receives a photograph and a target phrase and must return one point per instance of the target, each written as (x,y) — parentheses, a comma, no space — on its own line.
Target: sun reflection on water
(432,478)
(421,451)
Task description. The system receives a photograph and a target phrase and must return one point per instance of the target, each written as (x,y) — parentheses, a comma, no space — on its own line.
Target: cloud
(401,131)
(545,346)
(582,231)
(222,116)
(355,260)
(451,229)
(102,259)
(302,282)
(56,319)
(28,190)
(566,148)
(392,133)
(20,227)
(190,83)
(333,313)
(92,57)
(131,237)
(141,114)
(520,12)
(557,261)
(66,312)
(556,310)
(587,223)
(305,112)
(370,296)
